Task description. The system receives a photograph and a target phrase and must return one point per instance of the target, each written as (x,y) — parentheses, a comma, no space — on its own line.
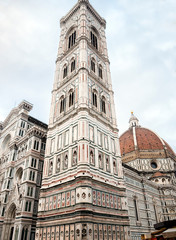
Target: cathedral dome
(141,141)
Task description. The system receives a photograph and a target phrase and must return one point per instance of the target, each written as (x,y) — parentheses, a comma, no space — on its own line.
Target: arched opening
(103,105)
(6,142)
(19,174)
(73,64)
(24,233)
(93,65)
(9,222)
(94,98)
(62,104)
(71,98)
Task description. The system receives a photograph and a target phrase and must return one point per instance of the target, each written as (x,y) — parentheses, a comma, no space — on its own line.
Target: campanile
(83,192)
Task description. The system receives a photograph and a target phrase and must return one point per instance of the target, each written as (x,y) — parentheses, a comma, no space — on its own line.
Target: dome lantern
(133,122)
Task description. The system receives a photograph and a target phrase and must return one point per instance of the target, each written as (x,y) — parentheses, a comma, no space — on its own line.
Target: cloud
(142,49)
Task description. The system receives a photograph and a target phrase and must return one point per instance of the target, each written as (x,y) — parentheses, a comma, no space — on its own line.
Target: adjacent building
(149,166)
(22,148)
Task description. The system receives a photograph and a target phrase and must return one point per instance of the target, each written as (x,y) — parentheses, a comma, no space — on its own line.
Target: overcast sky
(141,36)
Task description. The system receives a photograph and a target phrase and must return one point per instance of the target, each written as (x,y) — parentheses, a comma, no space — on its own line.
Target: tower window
(65,72)
(62,105)
(36,145)
(71,99)
(94,99)
(28,206)
(103,105)
(100,72)
(94,41)
(72,65)
(93,65)
(72,39)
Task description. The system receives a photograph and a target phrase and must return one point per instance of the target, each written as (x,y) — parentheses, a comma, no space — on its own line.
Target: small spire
(133,122)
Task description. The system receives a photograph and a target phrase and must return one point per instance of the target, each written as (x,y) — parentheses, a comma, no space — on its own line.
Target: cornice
(101,20)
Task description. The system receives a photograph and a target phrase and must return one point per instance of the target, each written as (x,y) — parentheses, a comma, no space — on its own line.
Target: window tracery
(93,65)
(103,105)
(71,98)
(94,98)
(71,39)
(65,71)
(62,104)
(94,40)
(100,71)
(73,64)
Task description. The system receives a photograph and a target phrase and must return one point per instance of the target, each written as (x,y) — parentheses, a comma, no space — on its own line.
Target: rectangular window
(30,191)
(10,173)
(3,211)
(32,176)
(21,133)
(36,145)
(28,206)
(5,199)
(8,185)
(33,162)
(43,145)
(22,124)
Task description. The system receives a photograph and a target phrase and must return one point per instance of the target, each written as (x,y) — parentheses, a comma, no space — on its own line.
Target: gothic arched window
(65,71)
(62,104)
(100,71)
(94,98)
(73,64)
(71,39)
(93,65)
(71,98)
(103,105)
(94,40)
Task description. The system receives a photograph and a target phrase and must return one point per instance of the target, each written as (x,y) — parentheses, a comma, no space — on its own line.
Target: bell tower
(83,195)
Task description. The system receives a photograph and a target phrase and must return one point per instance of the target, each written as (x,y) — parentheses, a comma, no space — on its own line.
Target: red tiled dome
(146,140)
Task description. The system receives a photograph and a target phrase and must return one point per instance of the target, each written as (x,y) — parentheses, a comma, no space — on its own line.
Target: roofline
(77,6)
